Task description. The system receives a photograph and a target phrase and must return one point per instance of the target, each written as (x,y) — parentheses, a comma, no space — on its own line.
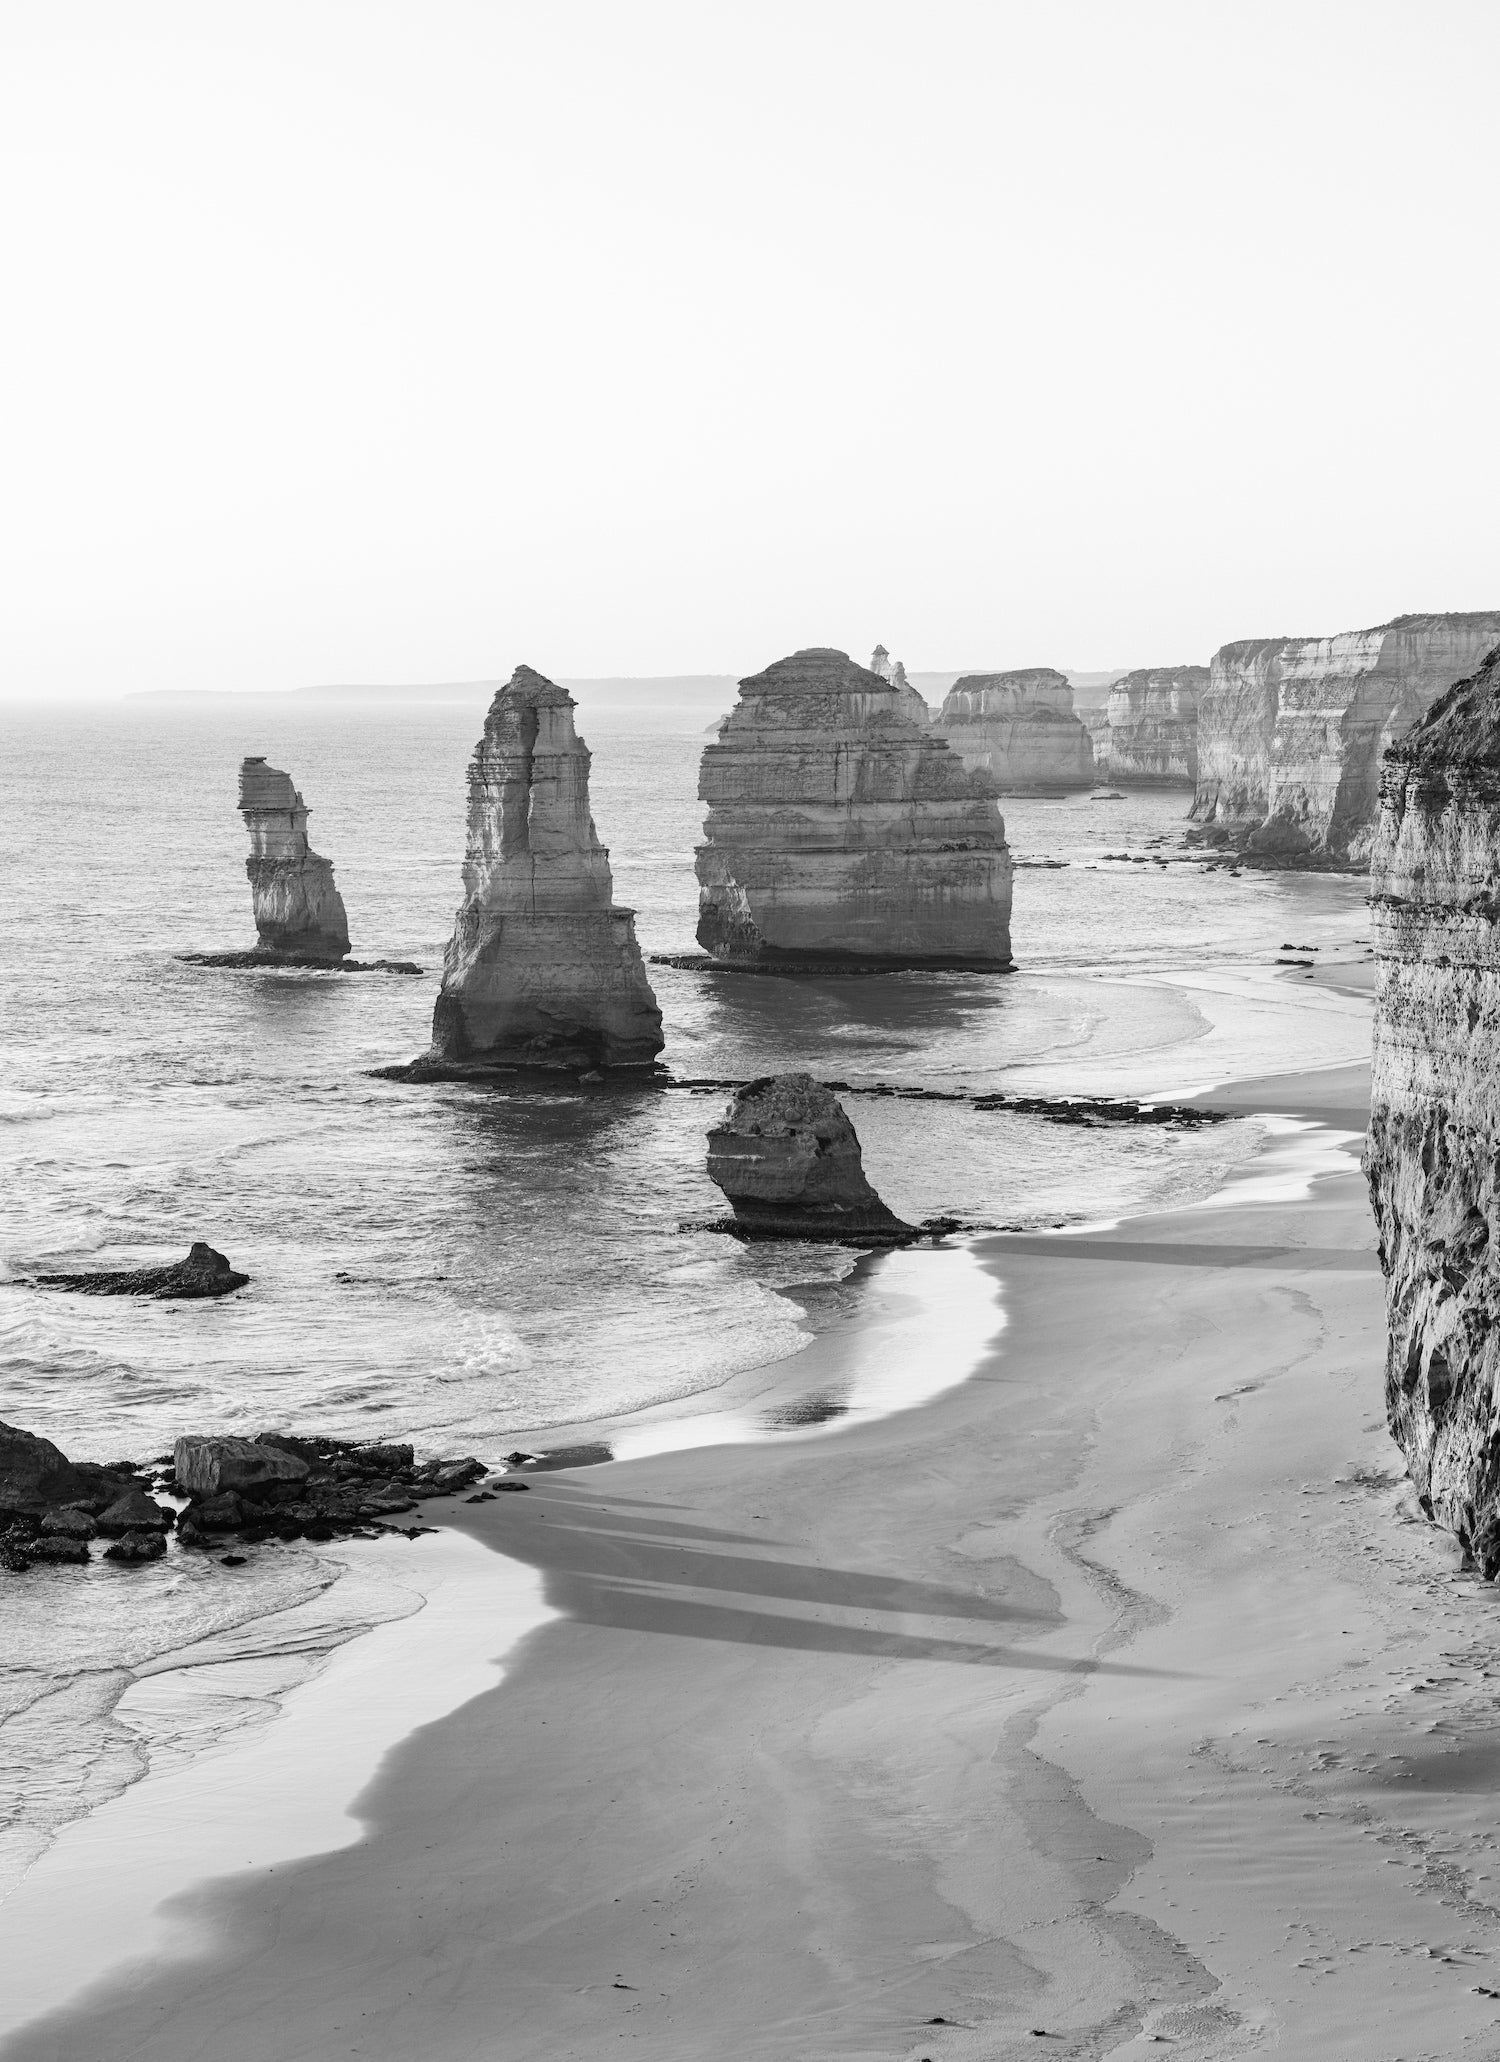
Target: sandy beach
(1116,1697)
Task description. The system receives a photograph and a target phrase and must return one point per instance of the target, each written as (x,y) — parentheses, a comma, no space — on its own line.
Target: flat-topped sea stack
(1432,1152)
(1020,729)
(842,831)
(787,1158)
(1292,730)
(1153,727)
(299,913)
(542,969)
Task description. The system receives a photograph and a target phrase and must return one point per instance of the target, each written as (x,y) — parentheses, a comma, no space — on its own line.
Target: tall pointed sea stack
(1432,1153)
(542,968)
(1019,728)
(299,913)
(839,829)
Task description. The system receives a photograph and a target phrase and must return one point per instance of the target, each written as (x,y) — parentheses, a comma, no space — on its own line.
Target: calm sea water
(448,1263)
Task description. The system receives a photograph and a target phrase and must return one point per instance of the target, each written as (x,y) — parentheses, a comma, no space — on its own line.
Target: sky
(401,342)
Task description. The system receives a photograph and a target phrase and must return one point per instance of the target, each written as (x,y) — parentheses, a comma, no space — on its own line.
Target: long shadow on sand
(1164,1253)
(606,1566)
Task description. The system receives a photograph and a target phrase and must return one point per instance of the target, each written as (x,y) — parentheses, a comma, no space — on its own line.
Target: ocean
(458,1265)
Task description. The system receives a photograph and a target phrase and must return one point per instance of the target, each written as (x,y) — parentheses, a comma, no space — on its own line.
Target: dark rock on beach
(787,1157)
(36,1477)
(203,1273)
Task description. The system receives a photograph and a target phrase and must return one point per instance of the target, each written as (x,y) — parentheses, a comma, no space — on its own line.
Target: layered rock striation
(1291,731)
(1432,1153)
(1020,729)
(788,1159)
(542,969)
(1153,727)
(299,913)
(841,829)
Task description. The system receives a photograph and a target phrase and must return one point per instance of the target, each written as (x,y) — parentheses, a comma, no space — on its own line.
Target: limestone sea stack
(842,830)
(787,1158)
(1020,729)
(1291,731)
(299,913)
(542,969)
(1153,727)
(1432,1152)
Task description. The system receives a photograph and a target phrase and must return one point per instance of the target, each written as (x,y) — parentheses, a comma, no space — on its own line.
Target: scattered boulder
(136,1546)
(69,1523)
(134,1512)
(203,1467)
(48,1547)
(788,1159)
(35,1475)
(203,1273)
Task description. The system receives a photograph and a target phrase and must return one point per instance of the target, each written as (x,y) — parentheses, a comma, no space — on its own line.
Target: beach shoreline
(862,1677)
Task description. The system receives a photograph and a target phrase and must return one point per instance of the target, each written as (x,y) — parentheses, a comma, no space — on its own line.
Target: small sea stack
(840,829)
(1020,729)
(299,913)
(543,968)
(203,1273)
(1432,1151)
(787,1158)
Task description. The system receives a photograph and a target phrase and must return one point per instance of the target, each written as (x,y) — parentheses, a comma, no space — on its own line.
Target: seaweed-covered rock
(787,1158)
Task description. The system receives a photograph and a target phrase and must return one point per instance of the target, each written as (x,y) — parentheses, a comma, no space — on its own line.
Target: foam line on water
(106,1900)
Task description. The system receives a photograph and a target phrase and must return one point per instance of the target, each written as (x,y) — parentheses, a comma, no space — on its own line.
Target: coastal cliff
(299,913)
(1291,730)
(542,968)
(1020,729)
(839,828)
(1432,1154)
(1153,726)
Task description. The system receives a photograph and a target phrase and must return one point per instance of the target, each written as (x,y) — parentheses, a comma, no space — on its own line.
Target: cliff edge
(1432,1153)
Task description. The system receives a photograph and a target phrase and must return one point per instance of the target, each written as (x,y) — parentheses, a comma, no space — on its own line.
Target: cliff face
(838,827)
(1432,1155)
(1291,730)
(786,1156)
(1020,729)
(1153,726)
(542,968)
(299,913)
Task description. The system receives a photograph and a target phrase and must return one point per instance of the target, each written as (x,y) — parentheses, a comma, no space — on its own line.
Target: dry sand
(1114,1702)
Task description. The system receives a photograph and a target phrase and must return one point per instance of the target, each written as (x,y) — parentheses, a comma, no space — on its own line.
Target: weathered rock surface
(1020,729)
(299,913)
(543,969)
(203,1273)
(1153,726)
(787,1158)
(1432,1153)
(1291,731)
(36,1476)
(205,1467)
(840,828)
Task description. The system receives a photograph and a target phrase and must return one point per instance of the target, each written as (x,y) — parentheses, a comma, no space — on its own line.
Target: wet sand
(1119,1692)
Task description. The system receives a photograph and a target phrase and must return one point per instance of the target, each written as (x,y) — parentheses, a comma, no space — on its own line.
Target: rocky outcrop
(1020,729)
(787,1158)
(542,969)
(840,829)
(1291,731)
(203,1273)
(1432,1153)
(299,913)
(36,1476)
(1153,727)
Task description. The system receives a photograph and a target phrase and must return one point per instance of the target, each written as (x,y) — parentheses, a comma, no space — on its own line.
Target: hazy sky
(402,341)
